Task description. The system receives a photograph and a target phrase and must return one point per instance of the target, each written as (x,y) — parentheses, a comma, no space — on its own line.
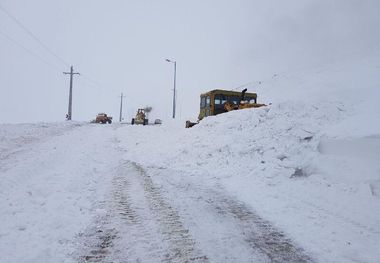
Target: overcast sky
(121,46)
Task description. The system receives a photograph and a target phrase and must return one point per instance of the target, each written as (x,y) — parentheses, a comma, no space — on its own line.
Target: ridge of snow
(299,162)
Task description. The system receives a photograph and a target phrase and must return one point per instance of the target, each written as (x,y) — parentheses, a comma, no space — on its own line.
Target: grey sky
(121,46)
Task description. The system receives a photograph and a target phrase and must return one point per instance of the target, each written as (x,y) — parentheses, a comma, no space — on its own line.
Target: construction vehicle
(103,118)
(219,101)
(140,118)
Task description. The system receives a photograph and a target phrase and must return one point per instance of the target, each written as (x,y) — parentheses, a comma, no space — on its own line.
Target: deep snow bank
(309,162)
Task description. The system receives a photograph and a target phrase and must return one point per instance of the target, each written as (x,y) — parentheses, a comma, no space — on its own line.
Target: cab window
(235,100)
(220,99)
(250,100)
(203,102)
(208,101)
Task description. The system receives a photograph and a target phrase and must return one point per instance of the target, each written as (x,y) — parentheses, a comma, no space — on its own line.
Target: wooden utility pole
(121,107)
(69,112)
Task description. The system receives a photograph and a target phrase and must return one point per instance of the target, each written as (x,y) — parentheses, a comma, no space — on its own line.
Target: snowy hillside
(296,181)
(309,162)
(324,192)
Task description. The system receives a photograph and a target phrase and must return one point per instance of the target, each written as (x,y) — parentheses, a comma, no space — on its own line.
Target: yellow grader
(140,118)
(219,101)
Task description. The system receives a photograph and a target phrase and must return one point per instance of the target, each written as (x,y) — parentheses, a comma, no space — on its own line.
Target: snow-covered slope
(51,176)
(309,162)
(305,168)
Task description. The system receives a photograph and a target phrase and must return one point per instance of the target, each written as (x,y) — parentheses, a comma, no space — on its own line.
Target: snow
(47,189)
(304,169)
(309,162)
(328,207)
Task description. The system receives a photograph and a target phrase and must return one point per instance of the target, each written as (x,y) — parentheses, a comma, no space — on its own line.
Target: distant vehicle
(103,118)
(157,121)
(140,118)
(219,101)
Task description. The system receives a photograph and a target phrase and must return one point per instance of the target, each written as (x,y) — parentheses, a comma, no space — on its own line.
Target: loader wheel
(133,121)
(109,121)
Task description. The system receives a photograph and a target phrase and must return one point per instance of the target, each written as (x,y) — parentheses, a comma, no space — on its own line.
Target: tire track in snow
(235,220)
(139,225)
(97,241)
(259,233)
(181,246)
(125,225)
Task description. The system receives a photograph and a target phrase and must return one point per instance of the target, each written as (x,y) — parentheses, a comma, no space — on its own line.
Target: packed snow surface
(296,181)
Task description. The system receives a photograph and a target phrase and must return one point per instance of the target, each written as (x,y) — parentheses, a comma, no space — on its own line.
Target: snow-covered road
(51,181)
(68,195)
(141,223)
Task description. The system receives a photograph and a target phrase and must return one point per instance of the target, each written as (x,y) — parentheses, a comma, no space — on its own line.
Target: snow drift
(309,162)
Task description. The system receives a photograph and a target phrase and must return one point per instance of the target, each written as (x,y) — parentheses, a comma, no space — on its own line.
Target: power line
(30,33)
(95,83)
(33,36)
(28,50)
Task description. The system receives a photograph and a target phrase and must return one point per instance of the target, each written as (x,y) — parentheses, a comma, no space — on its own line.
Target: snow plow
(219,101)
(103,118)
(140,118)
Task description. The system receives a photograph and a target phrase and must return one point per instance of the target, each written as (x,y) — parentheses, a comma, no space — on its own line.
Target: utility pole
(174,90)
(121,106)
(69,112)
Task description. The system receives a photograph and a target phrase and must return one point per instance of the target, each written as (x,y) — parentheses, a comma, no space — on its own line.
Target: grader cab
(219,101)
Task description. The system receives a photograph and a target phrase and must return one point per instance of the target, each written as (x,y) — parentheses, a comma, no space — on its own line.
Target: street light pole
(174,90)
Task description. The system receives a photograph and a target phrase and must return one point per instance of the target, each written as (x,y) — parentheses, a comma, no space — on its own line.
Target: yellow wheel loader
(219,101)
(140,118)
